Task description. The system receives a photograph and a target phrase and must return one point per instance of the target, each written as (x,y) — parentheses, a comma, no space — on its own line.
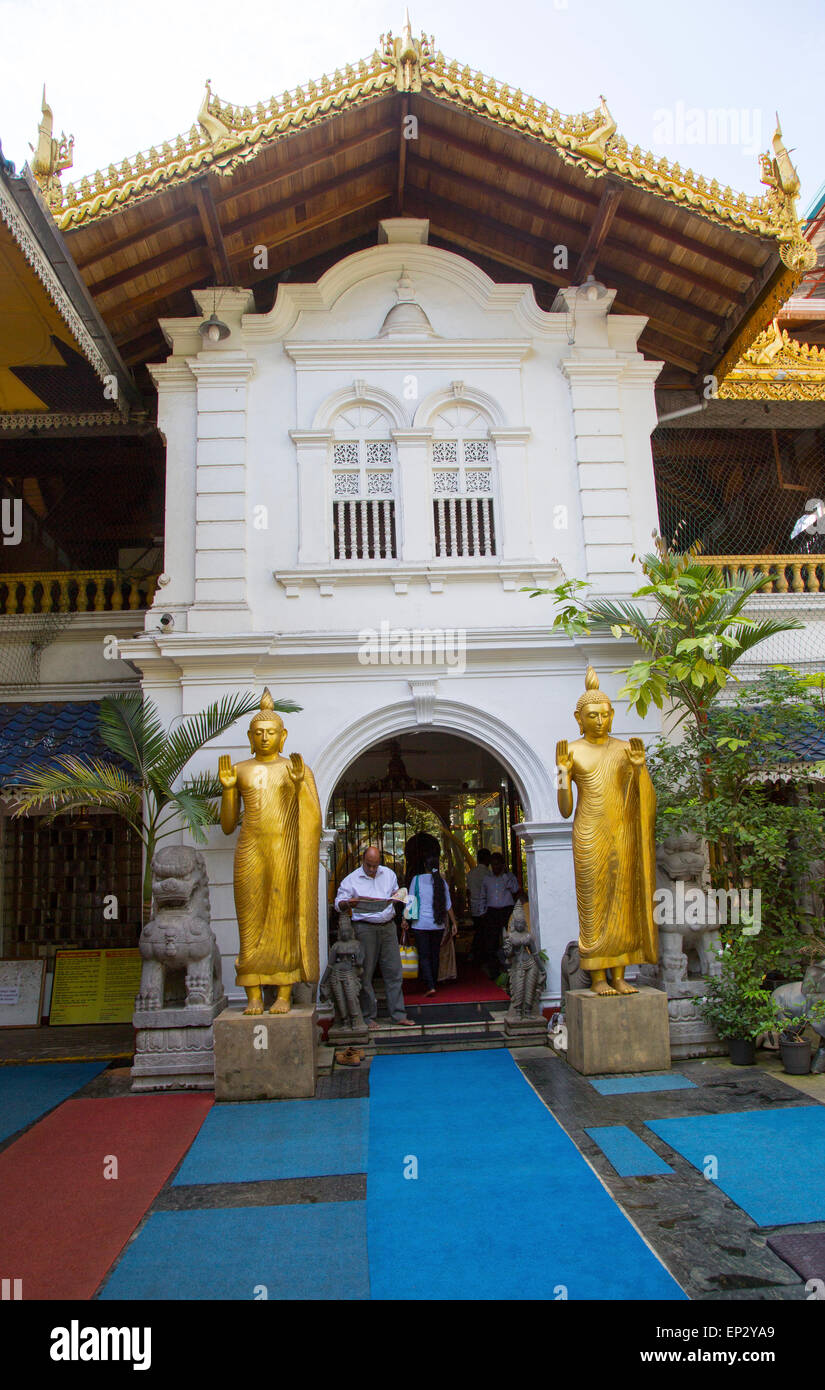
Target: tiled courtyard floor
(707,1243)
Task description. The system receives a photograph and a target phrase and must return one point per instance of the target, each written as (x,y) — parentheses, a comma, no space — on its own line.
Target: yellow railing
(796,574)
(74,591)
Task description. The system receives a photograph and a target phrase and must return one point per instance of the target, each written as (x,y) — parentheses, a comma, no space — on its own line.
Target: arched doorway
(428,789)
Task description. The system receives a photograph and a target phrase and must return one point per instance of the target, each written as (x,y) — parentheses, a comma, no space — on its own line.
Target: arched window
(363,485)
(463,465)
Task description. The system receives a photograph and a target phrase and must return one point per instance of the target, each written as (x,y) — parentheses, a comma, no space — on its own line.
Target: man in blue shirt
(377,935)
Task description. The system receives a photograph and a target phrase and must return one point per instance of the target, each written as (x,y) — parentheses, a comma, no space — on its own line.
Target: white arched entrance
(546,837)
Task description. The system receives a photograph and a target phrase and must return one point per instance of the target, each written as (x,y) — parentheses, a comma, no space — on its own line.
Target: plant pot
(742,1051)
(796,1056)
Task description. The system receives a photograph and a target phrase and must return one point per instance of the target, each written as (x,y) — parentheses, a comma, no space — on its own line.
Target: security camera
(167,622)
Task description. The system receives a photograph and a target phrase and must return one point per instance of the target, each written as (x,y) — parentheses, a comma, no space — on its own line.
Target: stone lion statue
(181,961)
(683,942)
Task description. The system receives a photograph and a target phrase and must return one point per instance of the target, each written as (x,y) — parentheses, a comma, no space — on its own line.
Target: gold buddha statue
(613,843)
(276,862)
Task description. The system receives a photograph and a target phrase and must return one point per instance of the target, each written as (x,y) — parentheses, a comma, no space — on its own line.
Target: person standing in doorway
(377,935)
(475,878)
(499,892)
(435,914)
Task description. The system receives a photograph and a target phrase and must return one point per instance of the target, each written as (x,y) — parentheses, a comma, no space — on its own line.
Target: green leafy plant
(736,1002)
(729,782)
(692,628)
(149,794)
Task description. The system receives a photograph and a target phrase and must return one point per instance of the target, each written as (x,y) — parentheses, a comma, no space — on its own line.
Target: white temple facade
(361,485)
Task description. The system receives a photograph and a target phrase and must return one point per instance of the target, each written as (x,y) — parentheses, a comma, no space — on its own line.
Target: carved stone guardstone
(687,946)
(618,1034)
(180,987)
(266,1056)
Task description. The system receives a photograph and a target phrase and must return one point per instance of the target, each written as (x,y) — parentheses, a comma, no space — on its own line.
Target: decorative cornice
(34,254)
(47,420)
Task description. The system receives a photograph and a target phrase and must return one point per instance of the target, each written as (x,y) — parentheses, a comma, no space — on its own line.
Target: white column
(552,892)
(513,525)
(414,524)
(314,496)
(177,422)
(326,870)
(220,533)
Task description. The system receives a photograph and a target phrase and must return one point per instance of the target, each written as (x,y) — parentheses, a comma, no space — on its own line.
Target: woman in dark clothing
(435,912)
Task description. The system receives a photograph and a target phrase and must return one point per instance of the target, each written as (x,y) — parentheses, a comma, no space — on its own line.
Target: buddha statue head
(267,734)
(594,712)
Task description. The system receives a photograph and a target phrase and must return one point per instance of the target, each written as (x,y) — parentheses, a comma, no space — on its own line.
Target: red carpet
(471,987)
(63,1223)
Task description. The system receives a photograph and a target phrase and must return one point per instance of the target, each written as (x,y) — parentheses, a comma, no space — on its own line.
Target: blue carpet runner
(771,1163)
(266,1253)
(252,1141)
(27,1092)
(630,1085)
(503,1206)
(629,1155)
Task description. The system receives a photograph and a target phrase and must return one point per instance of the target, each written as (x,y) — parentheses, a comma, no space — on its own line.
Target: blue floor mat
(317,1251)
(503,1205)
(771,1163)
(27,1092)
(629,1155)
(260,1140)
(626,1085)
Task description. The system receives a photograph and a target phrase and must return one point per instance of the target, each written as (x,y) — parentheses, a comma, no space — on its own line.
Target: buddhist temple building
(383,353)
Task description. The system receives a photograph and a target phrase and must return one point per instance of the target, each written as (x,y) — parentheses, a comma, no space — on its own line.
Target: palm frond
(73,781)
(130,727)
(194,812)
(203,784)
(196,730)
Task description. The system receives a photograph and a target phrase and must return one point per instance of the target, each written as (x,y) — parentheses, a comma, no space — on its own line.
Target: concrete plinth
(617,1033)
(266,1056)
(174,1048)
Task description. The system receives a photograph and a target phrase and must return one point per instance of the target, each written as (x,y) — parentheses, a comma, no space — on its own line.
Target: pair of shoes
(349,1057)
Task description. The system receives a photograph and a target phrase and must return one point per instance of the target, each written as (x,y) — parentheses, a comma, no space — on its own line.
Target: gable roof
(502,178)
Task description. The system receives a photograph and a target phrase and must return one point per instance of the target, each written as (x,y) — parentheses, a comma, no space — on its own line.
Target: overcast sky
(123,76)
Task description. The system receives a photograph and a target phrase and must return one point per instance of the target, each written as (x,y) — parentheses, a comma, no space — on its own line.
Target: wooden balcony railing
(795,574)
(74,591)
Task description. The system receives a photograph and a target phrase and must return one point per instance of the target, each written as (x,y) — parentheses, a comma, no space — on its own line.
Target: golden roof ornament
(51,156)
(215,129)
(594,144)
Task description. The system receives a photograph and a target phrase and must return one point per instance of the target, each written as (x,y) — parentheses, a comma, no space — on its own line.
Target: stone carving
(688,938)
(525,967)
(527,978)
(684,931)
(342,978)
(797,998)
(572,974)
(181,962)
(181,991)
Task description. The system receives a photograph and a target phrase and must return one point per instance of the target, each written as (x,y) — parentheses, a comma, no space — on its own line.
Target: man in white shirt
(499,892)
(377,935)
(475,878)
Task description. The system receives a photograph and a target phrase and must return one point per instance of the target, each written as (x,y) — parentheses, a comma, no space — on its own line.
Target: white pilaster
(314,499)
(513,492)
(414,527)
(552,892)
(177,422)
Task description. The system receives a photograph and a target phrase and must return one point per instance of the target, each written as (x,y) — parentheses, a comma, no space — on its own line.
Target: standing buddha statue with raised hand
(276,862)
(613,843)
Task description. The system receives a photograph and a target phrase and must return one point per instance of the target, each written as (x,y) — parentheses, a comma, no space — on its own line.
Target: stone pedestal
(526,1032)
(690,1034)
(266,1056)
(348,1037)
(618,1033)
(174,1048)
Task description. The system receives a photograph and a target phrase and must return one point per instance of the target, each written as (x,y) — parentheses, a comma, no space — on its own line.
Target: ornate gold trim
(227,136)
(776,367)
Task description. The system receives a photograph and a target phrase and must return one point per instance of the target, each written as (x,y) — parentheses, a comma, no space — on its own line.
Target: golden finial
(591,695)
(267,701)
(591,680)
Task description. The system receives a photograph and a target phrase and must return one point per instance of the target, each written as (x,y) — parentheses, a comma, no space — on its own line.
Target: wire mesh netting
(743,495)
(22,643)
